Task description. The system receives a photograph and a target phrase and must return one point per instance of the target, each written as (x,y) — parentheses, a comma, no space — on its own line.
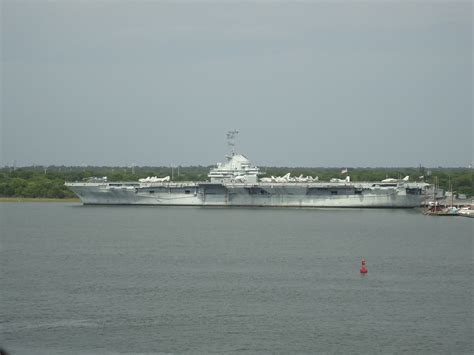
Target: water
(172,280)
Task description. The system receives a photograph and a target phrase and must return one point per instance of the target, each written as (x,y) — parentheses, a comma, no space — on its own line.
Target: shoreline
(38,199)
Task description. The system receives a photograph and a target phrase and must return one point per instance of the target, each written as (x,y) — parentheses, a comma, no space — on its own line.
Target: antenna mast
(231,136)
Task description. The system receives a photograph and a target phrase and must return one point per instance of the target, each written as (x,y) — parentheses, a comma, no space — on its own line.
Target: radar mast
(231,137)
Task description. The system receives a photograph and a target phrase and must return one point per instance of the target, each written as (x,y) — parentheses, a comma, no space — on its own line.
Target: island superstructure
(236,182)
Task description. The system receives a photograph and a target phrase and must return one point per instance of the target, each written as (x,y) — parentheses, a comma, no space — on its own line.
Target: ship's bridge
(237,169)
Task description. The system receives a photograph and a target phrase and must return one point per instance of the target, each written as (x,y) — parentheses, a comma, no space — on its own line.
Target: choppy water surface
(164,279)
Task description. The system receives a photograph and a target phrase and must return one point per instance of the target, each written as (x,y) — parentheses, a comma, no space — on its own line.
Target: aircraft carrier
(237,183)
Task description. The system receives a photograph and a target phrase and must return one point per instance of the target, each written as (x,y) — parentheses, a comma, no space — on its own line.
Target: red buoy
(363,269)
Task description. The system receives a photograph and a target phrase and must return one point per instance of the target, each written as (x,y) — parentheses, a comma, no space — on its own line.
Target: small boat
(435,209)
(467,211)
(448,211)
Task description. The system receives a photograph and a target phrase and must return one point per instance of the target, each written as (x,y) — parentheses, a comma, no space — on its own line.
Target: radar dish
(231,136)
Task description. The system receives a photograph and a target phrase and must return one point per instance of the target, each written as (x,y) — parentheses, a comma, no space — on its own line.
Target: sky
(306,83)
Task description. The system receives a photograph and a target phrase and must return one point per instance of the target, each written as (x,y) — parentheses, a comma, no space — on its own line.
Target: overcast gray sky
(307,83)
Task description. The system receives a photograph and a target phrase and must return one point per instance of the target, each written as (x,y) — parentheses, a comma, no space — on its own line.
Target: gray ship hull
(361,195)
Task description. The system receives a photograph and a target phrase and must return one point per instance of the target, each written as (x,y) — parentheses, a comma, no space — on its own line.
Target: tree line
(48,182)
